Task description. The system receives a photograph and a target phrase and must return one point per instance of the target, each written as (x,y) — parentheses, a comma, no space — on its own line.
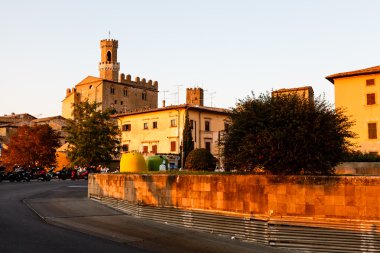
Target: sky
(229,48)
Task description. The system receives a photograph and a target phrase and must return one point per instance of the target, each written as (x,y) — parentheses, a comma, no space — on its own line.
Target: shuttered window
(154,149)
(126,127)
(371,100)
(370,82)
(372,131)
(173,146)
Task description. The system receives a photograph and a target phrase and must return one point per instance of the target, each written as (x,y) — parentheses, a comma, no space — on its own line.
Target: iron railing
(301,235)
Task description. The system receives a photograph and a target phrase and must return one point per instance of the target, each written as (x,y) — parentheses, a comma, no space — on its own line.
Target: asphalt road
(57,216)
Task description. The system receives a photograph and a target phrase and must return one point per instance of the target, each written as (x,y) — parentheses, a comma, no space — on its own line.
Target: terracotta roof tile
(371,70)
(309,88)
(171,107)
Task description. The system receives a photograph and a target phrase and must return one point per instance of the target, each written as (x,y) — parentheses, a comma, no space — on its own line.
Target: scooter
(19,174)
(79,174)
(64,174)
(40,174)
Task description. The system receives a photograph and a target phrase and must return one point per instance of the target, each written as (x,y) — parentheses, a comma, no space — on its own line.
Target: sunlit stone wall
(248,195)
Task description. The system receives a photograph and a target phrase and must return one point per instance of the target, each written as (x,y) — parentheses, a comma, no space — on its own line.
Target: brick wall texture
(253,195)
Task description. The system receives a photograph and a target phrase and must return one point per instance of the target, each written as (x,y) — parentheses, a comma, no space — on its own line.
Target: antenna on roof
(164,100)
(211,94)
(178,86)
(164,91)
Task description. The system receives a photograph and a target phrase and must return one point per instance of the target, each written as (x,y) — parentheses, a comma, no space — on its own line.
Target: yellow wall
(164,134)
(67,106)
(62,160)
(351,94)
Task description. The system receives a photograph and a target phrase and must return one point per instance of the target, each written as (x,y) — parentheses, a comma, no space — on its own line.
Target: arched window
(109,56)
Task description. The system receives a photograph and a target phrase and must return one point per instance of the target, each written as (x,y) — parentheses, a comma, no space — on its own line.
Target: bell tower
(108,65)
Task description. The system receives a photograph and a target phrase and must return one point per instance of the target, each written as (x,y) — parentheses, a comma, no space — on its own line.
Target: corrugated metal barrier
(300,235)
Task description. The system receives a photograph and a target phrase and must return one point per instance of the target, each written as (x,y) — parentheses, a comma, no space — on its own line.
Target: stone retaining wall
(358,168)
(248,195)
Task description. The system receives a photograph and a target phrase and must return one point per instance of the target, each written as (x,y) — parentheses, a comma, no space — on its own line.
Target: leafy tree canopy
(32,146)
(200,159)
(286,134)
(93,136)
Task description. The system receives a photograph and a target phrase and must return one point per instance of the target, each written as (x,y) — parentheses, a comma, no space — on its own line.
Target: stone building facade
(306,92)
(111,89)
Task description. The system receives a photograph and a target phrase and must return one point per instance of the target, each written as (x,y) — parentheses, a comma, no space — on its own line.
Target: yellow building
(159,131)
(111,89)
(358,93)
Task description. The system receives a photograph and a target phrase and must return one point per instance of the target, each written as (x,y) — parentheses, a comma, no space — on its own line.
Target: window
(154,124)
(126,127)
(173,123)
(207,125)
(125,147)
(112,90)
(125,92)
(145,125)
(208,146)
(372,131)
(121,102)
(144,96)
(173,146)
(109,56)
(369,82)
(145,149)
(115,102)
(154,149)
(226,126)
(371,99)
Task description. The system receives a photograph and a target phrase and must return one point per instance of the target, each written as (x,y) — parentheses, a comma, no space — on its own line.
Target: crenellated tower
(194,96)
(108,65)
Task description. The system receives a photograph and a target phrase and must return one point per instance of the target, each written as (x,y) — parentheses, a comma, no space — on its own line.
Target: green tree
(286,135)
(32,146)
(200,159)
(187,138)
(93,136)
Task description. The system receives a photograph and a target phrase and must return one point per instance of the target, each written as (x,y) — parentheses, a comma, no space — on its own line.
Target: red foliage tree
(32,145)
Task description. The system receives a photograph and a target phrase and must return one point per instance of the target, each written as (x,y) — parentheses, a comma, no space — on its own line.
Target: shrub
(153,162)
(200,159)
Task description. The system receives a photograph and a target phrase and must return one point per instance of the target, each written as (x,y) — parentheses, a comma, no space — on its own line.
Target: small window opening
(109,56)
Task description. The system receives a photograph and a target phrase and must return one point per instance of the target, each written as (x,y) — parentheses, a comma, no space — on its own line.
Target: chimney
(163,103)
